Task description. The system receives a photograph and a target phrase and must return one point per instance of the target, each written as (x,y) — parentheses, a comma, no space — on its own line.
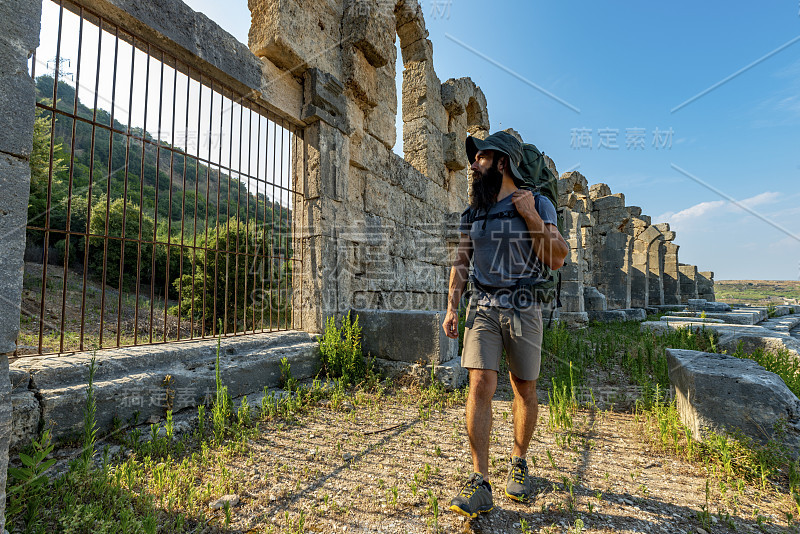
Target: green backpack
(540,179)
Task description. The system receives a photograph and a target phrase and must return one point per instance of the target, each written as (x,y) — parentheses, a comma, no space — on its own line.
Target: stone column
(573,311)
(572,193)
(424,115)
(321,162)
(467,115)
(672,285)
(644,235)
(705,285)
(688,279)
(656,272)
(20,21)
(612,248)
(613,274)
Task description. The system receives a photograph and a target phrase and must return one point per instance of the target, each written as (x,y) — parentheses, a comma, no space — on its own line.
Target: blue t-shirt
(502,248)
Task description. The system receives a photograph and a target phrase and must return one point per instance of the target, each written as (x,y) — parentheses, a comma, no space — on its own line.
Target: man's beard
(485,187)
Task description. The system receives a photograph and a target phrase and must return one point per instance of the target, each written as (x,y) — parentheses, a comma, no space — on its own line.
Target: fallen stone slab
(751,337)
(702,304)
(607,316)
(573,319)
(732,317)
(635,314)
(716,307)
(723,394)
(625,314)
(146,381)
(681,318)
(696,304)
(670,307)
(781,324)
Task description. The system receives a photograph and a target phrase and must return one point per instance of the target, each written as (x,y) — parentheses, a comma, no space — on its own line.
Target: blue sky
(626,66)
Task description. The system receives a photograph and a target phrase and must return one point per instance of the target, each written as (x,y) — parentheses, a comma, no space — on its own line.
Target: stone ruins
(376,222)
(374,231)
(620,263)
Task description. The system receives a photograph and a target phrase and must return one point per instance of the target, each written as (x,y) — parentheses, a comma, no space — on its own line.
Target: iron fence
(161,199)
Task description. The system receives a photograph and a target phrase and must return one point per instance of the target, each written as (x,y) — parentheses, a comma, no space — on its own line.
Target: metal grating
(161,199)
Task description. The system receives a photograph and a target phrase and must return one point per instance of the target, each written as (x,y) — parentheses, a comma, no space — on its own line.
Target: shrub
(341,350)
(132,260)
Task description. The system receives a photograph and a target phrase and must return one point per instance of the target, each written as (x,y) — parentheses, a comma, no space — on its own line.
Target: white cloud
(693,212)
(766,197)
(712,207)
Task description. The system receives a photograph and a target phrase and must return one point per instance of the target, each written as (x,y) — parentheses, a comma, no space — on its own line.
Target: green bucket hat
(499,141)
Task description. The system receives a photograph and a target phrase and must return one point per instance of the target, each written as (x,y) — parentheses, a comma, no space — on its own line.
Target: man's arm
(548,244)
(458,278)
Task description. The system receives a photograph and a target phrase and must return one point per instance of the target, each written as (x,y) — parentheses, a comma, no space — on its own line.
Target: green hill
(162,196)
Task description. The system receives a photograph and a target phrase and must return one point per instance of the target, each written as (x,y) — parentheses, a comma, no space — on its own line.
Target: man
(508,233)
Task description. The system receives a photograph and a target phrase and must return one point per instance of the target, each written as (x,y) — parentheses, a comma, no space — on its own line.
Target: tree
(41,171)
(116,236)
(216,290)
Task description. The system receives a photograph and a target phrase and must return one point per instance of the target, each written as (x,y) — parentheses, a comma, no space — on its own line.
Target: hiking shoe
(519,486)
(474,498)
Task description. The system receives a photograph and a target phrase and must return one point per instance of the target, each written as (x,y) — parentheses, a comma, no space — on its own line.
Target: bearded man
(507,234)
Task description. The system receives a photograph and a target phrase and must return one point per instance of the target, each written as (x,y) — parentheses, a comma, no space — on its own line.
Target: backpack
(540,180)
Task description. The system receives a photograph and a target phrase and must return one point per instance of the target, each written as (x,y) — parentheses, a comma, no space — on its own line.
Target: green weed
(340,349)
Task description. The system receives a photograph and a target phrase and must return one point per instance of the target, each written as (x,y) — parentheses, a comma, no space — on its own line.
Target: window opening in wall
(398,78)
(161,198)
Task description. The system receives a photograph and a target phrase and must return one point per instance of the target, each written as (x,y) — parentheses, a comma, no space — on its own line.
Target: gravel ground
(338,470)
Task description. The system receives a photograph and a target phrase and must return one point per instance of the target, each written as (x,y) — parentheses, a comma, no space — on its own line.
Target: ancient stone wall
(19,36)
(377,229)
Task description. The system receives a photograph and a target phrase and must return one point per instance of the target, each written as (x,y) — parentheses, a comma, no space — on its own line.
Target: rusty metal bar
(169,204)
(155,211)
(91,181)
(69,193)
(50,179)
(208,197)
(183,205)
(108,184)
(266,245)
(125,200)
(141,202)
(238,215)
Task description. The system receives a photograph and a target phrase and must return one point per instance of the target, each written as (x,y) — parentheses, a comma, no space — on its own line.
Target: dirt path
(385,465)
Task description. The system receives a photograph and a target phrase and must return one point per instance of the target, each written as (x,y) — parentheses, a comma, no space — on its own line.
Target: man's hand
(525,203)
(548,244)
(450,324)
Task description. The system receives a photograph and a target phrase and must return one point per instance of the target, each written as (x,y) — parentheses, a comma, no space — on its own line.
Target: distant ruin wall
(622,256)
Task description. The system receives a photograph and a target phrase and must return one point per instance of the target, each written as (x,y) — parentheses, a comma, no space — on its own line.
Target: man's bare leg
(482,385)
(525,409)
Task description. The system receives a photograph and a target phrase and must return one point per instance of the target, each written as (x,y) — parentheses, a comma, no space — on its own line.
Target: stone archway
(640,273)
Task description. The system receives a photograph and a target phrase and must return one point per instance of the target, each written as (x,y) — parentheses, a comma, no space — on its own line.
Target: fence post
(20,21)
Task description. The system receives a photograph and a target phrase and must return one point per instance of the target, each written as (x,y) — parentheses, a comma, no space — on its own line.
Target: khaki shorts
(493,331)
